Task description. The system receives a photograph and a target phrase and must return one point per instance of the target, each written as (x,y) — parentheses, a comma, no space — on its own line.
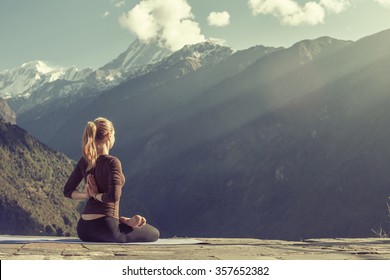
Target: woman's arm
(80,195)
(115,184)
(70,188)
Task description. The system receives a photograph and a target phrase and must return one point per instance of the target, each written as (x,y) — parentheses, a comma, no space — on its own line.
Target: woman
(100,221)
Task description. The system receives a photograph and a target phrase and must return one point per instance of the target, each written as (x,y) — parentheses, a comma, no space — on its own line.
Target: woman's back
(109,180)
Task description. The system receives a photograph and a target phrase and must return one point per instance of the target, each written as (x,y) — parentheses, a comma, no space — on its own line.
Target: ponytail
(89,145)
(94,133)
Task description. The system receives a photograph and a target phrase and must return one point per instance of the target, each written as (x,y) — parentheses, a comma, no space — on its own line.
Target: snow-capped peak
(200,54)
(22,81)
(132,62)
(39,66)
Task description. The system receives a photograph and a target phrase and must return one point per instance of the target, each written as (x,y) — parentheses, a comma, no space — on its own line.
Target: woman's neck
(103,150)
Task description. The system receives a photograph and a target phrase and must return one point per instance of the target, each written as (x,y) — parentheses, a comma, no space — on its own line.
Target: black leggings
(108,229)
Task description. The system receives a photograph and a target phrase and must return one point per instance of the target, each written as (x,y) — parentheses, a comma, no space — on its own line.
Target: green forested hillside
(31,180)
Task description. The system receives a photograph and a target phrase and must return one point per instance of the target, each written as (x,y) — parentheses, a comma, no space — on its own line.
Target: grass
(381,232)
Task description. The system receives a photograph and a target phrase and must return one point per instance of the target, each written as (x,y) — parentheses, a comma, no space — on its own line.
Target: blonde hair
(94,133)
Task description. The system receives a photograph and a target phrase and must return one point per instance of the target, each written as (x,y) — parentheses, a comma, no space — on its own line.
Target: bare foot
(135,221)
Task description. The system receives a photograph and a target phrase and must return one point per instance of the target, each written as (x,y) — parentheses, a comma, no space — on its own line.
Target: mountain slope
(136,57)
(6,113)
(293,153)
(292,147)
(31,181)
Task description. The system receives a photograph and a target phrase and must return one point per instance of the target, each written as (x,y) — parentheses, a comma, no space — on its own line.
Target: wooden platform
(215,249)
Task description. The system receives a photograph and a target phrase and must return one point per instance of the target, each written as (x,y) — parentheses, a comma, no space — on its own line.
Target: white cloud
(120,4)
(170,22)
(335,6)
(291,13)
(218,18)
(105,14)
(384,3)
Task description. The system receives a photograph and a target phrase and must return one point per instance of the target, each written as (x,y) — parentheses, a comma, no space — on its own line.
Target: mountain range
(36,84)
(285,143)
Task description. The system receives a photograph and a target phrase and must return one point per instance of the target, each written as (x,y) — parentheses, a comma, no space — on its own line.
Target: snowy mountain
(193,57)
(29,77)
(137,56)
(130,63)
(36,83)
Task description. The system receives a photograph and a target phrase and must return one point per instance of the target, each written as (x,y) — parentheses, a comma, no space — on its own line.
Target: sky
(90,33)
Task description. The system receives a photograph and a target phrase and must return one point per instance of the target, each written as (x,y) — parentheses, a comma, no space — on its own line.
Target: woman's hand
(92,189)
(135,221)
(141,220)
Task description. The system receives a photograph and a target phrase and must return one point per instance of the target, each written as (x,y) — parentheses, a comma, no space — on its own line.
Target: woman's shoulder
(111,162)
(82,162)
(82,165)
(110,159)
